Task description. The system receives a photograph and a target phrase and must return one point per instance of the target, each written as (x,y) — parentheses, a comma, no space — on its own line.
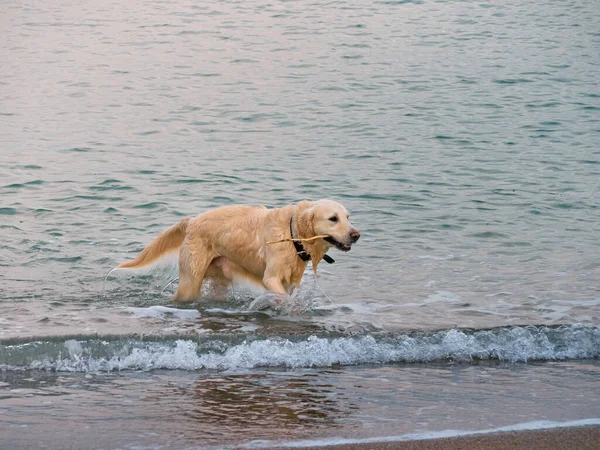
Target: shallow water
(265,408)
(462,136)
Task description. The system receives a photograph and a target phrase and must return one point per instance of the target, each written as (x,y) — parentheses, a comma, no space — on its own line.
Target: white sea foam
(162,312)
(443,297)
(507,344)
(528,426)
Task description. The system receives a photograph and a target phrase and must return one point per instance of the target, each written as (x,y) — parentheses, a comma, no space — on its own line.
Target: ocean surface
(462,136)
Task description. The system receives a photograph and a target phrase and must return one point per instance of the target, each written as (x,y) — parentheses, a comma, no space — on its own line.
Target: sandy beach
(573,438)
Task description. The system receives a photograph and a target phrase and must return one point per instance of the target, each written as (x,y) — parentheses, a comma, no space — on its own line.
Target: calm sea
(462,136)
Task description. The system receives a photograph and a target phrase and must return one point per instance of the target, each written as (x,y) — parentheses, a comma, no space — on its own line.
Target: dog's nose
(354,235)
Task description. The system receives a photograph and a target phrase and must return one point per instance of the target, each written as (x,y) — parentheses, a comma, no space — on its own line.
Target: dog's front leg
(273,284)
(273,274)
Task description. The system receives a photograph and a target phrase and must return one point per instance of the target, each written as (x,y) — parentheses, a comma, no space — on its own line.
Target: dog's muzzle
(354,236)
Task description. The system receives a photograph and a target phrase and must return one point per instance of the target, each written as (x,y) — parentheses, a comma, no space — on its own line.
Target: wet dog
(251,243)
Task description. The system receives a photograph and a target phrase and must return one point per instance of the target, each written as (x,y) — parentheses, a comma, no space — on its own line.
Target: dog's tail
(168,241)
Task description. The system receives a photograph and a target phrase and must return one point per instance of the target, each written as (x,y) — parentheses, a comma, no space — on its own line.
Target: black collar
(303,254)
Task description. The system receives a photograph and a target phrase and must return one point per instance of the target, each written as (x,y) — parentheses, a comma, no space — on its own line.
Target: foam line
(527,426)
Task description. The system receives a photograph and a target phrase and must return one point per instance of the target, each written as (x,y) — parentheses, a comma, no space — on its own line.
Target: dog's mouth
(338,244)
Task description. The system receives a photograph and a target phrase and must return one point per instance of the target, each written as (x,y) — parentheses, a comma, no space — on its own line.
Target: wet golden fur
(230,243)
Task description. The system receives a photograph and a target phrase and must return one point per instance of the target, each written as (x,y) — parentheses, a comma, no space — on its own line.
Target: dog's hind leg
(192,269)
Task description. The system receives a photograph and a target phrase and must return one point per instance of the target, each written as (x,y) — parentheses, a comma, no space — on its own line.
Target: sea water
(462,136)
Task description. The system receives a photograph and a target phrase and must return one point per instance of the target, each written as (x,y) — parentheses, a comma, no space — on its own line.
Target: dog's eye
(333,218)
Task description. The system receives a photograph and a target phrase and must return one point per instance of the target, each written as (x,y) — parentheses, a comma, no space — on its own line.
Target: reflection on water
(182,408)
(266,403)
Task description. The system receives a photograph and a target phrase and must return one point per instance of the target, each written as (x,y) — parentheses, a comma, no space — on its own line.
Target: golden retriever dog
(252,243)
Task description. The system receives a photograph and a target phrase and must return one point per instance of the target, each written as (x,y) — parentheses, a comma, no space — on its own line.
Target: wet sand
(574,438)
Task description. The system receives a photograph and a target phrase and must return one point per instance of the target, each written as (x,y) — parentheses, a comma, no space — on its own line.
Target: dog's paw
(267,301)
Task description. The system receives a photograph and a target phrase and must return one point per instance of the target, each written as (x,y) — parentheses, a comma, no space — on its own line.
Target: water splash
(514,344)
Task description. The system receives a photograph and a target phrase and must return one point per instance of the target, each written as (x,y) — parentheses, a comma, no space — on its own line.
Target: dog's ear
(304,218)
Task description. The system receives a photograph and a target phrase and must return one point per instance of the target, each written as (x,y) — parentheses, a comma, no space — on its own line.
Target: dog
(252,243)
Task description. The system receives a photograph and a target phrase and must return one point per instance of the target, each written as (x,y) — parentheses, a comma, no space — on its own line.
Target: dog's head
(330,218)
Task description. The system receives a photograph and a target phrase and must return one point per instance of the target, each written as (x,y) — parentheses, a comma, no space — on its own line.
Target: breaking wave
(94,354)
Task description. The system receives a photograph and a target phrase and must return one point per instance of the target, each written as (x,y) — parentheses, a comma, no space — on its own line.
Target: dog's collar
(301,252)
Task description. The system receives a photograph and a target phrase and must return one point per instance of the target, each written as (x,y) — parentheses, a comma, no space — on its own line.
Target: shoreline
(585,437)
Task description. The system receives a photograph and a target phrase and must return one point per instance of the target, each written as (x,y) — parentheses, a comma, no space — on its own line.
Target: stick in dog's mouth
(339,245)
(321,236)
